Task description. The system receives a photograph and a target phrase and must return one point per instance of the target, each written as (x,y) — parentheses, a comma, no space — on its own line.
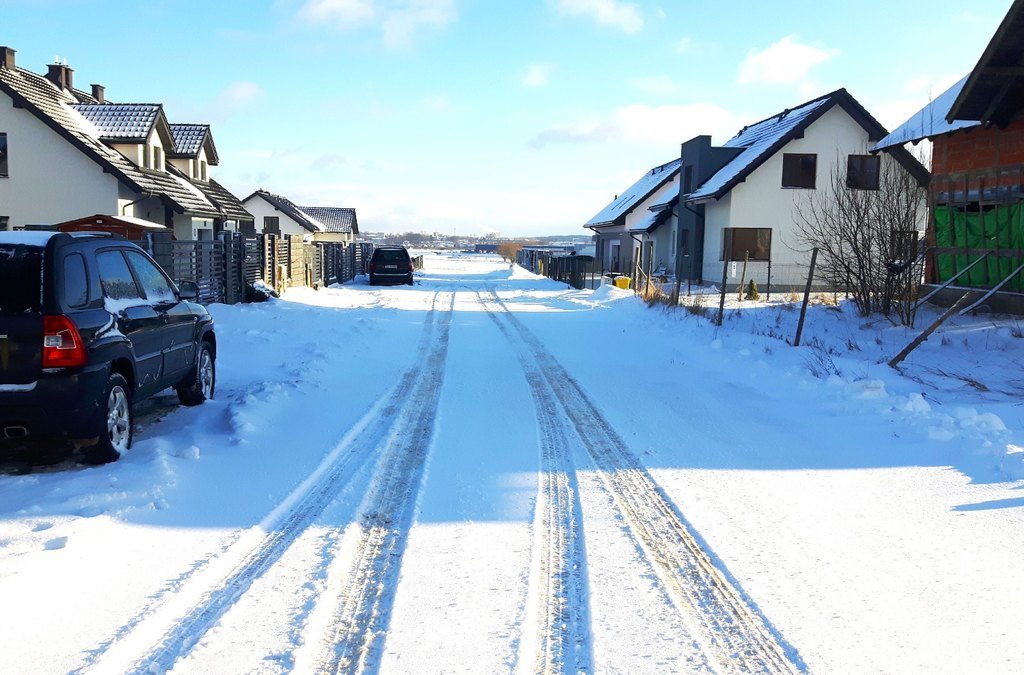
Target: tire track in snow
(354,638)
(736,637)
(560,629)
(163,634)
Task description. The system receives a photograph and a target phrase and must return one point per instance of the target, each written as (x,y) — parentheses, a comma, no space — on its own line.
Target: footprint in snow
(55,544)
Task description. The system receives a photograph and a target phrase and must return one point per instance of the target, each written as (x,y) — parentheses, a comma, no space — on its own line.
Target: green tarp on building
(992,227)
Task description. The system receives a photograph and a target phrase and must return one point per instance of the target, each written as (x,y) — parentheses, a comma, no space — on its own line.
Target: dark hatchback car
(390,265)
(88,325)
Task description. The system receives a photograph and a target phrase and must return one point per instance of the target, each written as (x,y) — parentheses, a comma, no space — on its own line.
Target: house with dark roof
(976,224)
(741,200)
(636,223)
(276,214)
(65,154)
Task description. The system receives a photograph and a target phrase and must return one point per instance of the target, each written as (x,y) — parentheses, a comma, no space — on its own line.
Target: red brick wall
(979,149)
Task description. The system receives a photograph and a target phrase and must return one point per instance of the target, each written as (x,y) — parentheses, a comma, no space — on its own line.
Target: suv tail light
(62,345)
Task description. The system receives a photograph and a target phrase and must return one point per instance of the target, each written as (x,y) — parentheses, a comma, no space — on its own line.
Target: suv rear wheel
(198,387)
(116,423)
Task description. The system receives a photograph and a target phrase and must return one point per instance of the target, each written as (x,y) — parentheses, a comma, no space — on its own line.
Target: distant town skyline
(473,117)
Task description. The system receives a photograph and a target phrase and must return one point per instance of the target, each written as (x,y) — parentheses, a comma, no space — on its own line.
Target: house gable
(994,91)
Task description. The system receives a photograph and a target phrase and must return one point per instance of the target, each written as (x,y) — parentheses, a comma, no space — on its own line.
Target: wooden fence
(225,267)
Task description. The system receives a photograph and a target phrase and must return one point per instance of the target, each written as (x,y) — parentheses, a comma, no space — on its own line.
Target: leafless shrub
(867,239)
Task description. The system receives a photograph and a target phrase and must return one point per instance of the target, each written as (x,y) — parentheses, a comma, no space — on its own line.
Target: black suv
(390,265)
(89,324)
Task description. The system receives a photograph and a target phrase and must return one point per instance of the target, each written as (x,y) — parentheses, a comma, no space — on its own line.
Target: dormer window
(202,171)
(158,162)
(145,156)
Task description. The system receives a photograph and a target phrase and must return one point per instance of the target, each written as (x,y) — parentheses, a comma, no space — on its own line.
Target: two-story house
(627,227)
(67,153)
(741,201)
(276,214)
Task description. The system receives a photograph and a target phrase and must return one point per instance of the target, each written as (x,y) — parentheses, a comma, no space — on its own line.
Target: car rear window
(76,283)
(390,256)
(21,278)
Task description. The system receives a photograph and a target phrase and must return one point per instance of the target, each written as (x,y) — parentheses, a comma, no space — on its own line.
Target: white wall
(761,201)
(260,207)
(50,181)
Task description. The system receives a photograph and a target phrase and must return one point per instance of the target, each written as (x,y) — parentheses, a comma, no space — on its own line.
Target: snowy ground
(489,473)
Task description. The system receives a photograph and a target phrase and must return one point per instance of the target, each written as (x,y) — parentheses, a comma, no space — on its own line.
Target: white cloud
(661,124)
(657,85)
(538,75)
(911,97)
(623,15)
(399,21)
(684,44)
(231,100)
(344,13)
(786,62)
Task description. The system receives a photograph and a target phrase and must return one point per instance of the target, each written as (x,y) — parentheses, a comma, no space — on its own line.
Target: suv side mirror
(188,290)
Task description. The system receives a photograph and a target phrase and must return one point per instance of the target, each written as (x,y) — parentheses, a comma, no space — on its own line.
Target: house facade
(625,229)
(741,201)
(976,226)
(66,153)
(276,214)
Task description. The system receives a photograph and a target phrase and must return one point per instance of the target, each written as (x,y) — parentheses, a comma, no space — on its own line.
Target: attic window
(145,156)
(157,158)
(862,172)
(202,171)
(3,156)
(799,170)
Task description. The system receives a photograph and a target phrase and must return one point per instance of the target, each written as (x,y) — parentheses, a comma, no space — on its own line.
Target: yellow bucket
(621,282)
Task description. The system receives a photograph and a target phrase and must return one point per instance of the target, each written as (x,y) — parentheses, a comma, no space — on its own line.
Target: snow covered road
(488,473)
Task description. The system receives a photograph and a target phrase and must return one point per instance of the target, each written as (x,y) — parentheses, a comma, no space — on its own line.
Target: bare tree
(867,239)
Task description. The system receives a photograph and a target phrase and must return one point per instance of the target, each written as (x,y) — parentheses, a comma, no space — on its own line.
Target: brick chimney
(98,93)
(60,75)
(7,58)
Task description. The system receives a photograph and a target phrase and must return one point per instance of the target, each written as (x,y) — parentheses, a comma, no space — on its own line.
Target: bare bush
(867,240)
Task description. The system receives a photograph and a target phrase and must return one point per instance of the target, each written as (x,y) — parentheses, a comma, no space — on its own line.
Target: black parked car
(88,325)
(390,265)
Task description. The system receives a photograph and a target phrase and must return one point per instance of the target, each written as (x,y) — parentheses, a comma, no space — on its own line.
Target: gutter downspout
(144,197)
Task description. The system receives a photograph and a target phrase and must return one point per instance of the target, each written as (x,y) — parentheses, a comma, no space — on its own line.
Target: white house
(276,214)
(622,225)
(67,153)
(742,198)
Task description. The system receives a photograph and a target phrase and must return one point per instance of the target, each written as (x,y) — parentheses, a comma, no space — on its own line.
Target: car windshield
(20,278)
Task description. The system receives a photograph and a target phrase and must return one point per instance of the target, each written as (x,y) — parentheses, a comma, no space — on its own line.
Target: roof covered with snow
(652,221)
(928,122)
(121,121)
(760,141)
(58,110)
(635,194)
(189,139)
(333,218)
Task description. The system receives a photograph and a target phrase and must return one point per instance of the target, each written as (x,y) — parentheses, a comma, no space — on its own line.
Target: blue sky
(475,116)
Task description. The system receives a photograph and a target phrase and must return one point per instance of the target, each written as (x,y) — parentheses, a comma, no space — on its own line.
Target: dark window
(687,180)
(157,159)
(145,156)
(20,272)
(862,172)
(202,171)
(757,241)
(384,255)
(799,171)
(76,282)
(115,277)
(3,155)
(153,281)
(5,222)
(271,225)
